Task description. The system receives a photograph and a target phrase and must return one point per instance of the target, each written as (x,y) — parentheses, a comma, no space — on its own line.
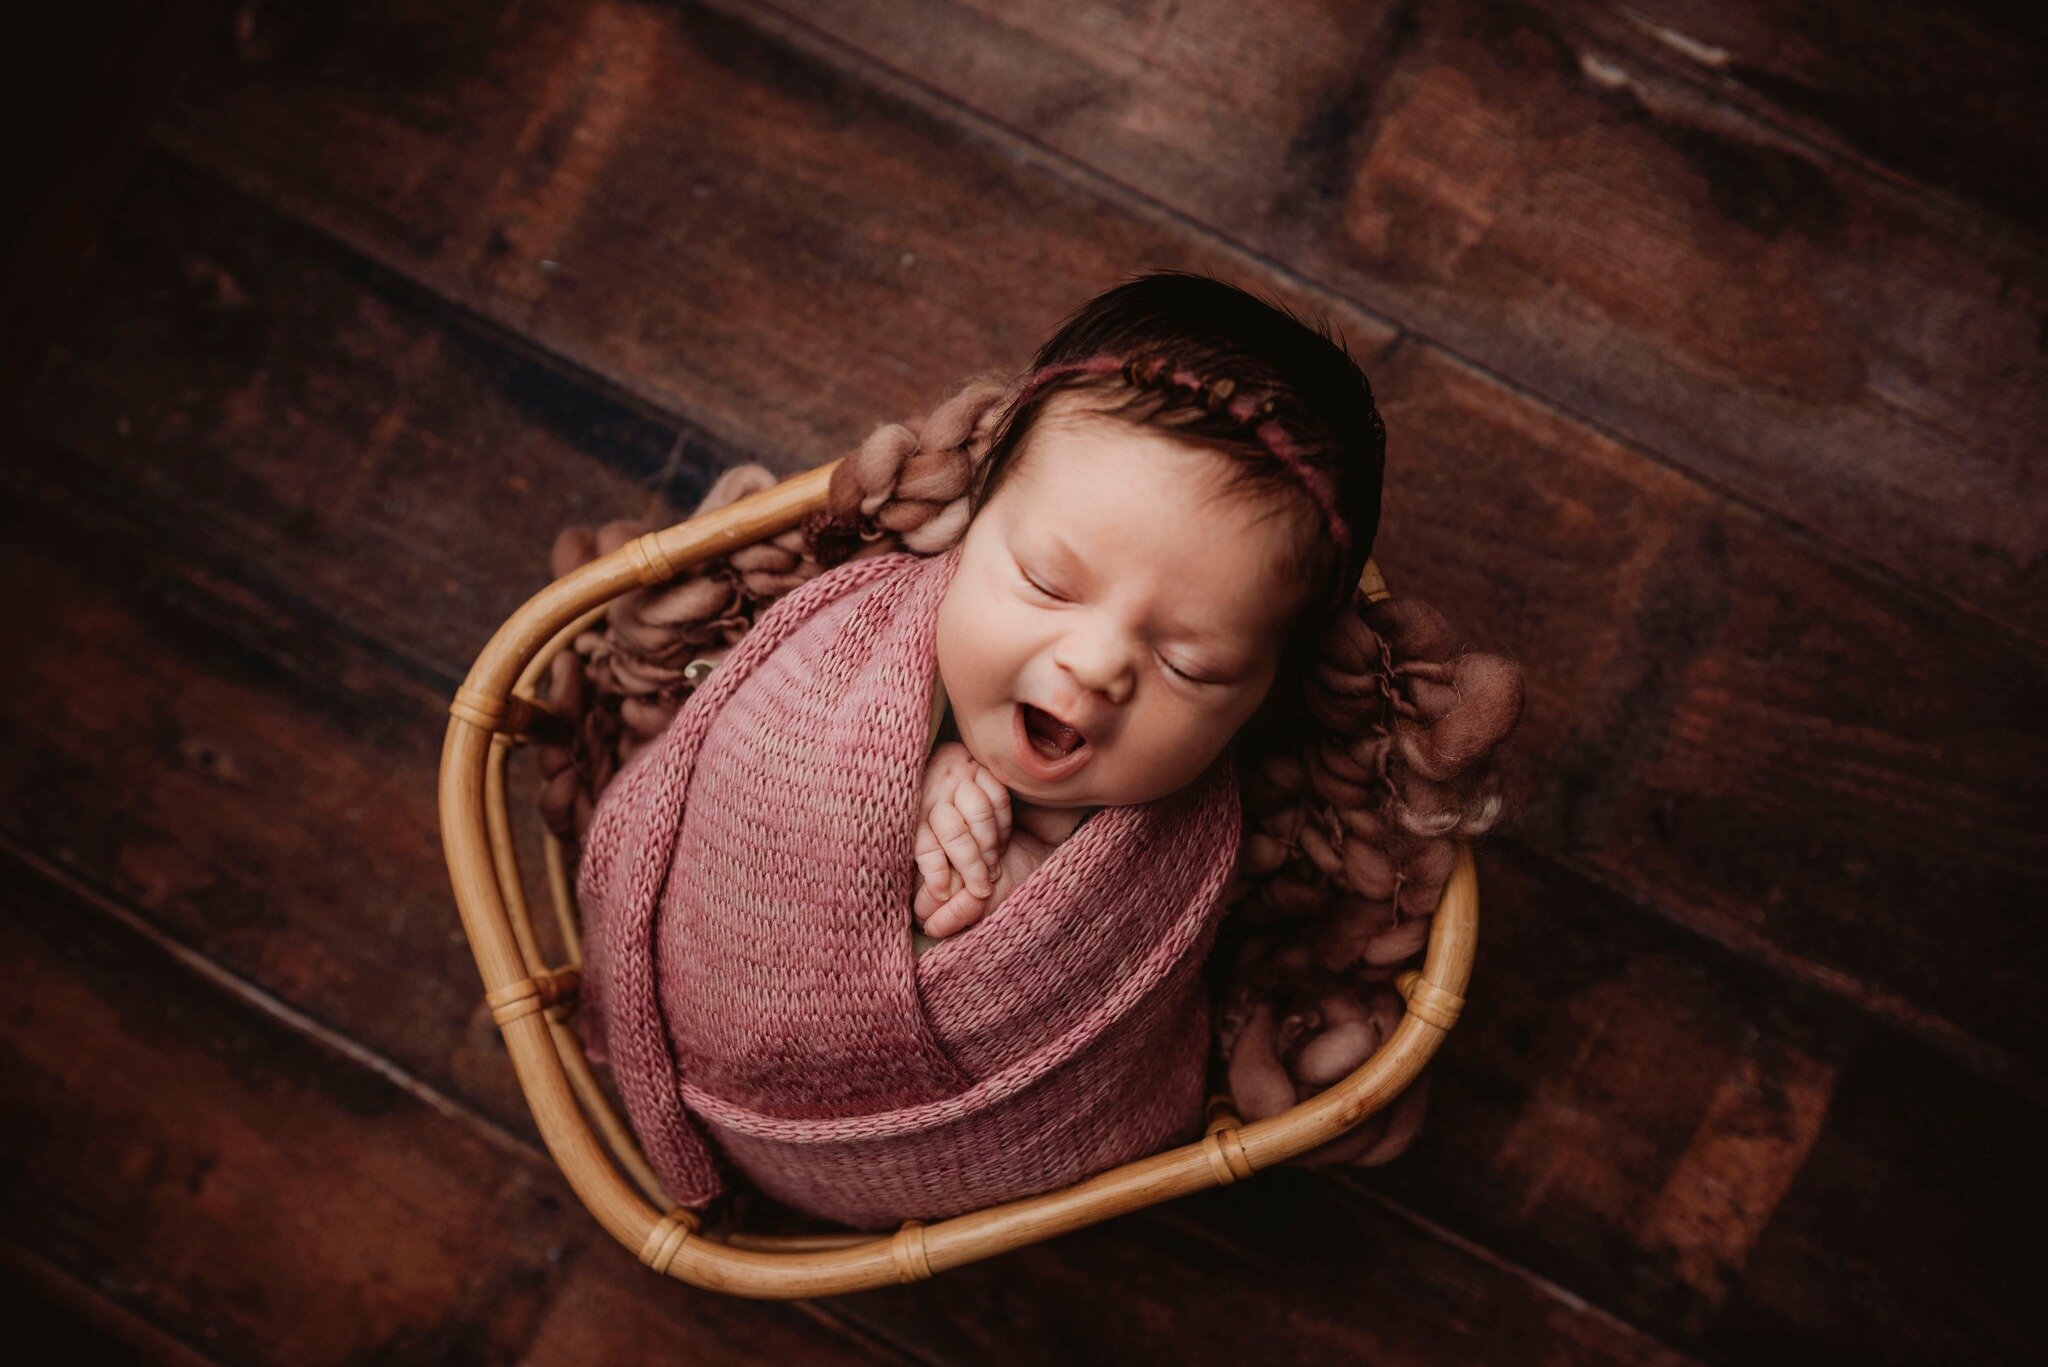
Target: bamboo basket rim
(495,710)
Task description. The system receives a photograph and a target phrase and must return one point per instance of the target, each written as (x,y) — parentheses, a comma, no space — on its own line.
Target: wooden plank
(91,81)
(1564,211)
(1576,1092)
(257,1192)
(367,455)
(1345,1282)
(1753,740)
(53,1318)
(1755,1173)
(1943,97)
(1665,715)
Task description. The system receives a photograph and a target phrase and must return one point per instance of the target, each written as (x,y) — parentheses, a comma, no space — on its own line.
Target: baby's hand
(1035,834)
(960,841)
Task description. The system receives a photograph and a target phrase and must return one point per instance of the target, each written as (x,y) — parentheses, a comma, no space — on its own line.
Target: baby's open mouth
(1050,736)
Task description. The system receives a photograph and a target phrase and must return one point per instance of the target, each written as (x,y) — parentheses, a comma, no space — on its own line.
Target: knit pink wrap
(746,886)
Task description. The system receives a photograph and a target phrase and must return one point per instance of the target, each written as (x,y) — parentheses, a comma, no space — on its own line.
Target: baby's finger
(961,848)
(931,856)
(961,910)
(943,884)
(938,878)
(929,899)
(974,804)
(999,798)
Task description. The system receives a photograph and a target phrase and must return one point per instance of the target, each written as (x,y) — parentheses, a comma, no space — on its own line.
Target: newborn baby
(1147,550)
(1105,636)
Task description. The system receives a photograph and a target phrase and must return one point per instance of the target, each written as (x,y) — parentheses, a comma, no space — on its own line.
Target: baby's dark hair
(1218,368)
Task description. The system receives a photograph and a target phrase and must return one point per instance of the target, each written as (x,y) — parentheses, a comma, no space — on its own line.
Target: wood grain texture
(56,1318)
(1689,656)
(253,1190)
(1600,1112)
(1945,99)
(82,87)
(1548,201)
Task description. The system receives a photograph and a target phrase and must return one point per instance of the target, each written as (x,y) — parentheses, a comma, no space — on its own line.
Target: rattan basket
(495,710)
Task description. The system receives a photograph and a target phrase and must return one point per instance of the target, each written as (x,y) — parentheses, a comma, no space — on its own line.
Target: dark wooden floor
(1710,337)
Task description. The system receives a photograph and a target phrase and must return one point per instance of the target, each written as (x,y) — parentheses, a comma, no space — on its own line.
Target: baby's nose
(1103,673)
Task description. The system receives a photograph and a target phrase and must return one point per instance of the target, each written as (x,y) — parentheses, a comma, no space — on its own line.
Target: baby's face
(1105,585)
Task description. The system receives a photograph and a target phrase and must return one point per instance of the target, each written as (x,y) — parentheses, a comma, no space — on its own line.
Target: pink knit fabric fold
(746,886)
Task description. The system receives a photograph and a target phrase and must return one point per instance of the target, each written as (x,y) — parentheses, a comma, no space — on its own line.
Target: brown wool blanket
(746,885)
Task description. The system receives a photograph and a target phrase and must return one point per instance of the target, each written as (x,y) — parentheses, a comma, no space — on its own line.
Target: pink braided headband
(1141,371)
